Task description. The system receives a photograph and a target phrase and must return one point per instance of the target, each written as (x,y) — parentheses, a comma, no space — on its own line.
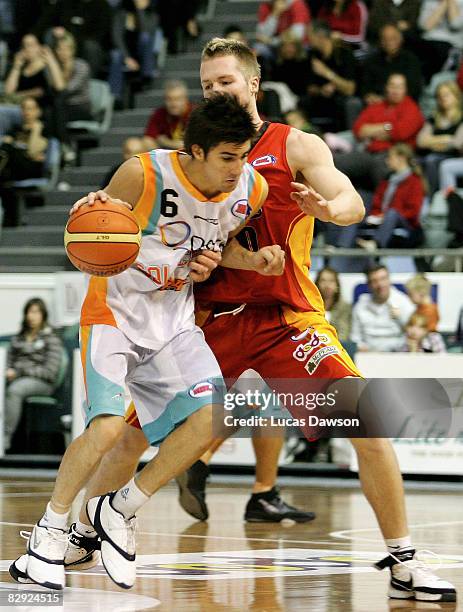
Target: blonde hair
(419,283)
(221,47)
(456,113)
(417,319)
(404,150)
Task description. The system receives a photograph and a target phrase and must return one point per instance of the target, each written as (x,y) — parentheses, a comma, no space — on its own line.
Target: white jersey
(152,301)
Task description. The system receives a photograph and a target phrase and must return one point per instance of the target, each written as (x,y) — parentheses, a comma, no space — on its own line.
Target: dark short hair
(218,119)
(375,268)
(232,28)
(43,309)
(321,27)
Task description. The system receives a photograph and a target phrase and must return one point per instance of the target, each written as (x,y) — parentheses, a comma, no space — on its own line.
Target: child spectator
(419,340)
(419,291)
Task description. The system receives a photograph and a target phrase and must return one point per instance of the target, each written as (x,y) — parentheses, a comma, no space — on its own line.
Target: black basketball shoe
(268,507)
(192,490)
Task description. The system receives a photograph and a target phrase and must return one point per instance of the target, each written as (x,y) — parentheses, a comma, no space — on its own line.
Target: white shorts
(166,385)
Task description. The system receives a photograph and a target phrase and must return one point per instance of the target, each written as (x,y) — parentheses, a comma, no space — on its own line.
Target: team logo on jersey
(314,342)
(265,160)
(241,209)
(302,335)
(201,389)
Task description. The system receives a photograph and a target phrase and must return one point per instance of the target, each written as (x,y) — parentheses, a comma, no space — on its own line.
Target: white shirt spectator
(373,325)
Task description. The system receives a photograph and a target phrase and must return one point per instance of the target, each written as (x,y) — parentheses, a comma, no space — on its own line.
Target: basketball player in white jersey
(138,329)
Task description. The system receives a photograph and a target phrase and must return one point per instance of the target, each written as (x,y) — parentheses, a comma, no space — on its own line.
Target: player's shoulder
(303,148)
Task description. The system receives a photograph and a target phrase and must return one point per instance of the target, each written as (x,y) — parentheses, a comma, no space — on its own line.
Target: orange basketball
(103,239)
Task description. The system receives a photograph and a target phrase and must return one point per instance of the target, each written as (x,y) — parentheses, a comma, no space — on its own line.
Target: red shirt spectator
(272,16)
(348,17)
(163,123)
(460,76)
(407,200)
(396,119)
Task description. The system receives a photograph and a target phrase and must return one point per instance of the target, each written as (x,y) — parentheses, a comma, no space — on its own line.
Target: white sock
(53,519)
(129,499)
(85,530)
(395,545)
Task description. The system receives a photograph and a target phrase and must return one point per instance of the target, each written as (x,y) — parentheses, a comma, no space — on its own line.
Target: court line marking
(344,534)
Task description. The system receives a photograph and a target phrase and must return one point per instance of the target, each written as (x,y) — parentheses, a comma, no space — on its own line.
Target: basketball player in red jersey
(260,335)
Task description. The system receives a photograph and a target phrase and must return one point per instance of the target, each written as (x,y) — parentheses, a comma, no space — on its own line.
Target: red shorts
(277,342)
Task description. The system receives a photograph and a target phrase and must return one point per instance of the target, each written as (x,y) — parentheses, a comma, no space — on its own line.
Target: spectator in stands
(455,215)
(132,146)
(291,65)
(441,22)
(234,32)
(166,125)
(178,21)
(296,118)
(404,14)
(279,16)
(73,103)
(35,73)
(390,58)
(133,30)
(379,126)
(419,291)
(379,317)
(347,19)
(338,312)
(22,154)
(418,338)
(441,136)
(397,202)
(331,77)
(33,363)
(89,21)
(460,75)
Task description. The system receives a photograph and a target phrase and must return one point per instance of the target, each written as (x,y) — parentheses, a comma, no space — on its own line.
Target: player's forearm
(237,257)
(346,208)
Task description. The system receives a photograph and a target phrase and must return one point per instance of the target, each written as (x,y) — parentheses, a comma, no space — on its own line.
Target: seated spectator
(22,154)
(89,21)
(441,136)
(33,363)
(296,118)
(35,73)
(279,16)
(178,21)
(132,146)
(390,58)
(291,65)
(397,202)
(234,32)
(419,291)
(441,22)
(460,75)
(331,79)
(418,338)
(379,126)
(133,30)
(166,125)
(347,19)
(403,14)
(338,312)
(379,317)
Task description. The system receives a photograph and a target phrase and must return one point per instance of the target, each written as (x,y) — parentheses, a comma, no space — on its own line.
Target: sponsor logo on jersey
(304,349)
(241,209)
(202,389)
(302,335)
(265,160)
(322,353)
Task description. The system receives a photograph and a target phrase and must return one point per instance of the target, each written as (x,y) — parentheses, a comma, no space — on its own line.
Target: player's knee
(371,447)
(133,442)
(105,431)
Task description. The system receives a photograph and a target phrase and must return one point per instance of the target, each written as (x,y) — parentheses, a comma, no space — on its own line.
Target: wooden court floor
(226,564)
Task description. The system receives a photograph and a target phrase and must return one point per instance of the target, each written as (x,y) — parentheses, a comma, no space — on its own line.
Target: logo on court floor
(267,563)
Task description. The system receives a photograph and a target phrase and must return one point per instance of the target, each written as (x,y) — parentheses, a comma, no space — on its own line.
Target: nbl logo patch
(201,389)
(241,209)
(265,160)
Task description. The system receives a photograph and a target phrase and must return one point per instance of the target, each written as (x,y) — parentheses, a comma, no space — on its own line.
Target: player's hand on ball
(269,260)
(97,195)
(310,202)
(202,266)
